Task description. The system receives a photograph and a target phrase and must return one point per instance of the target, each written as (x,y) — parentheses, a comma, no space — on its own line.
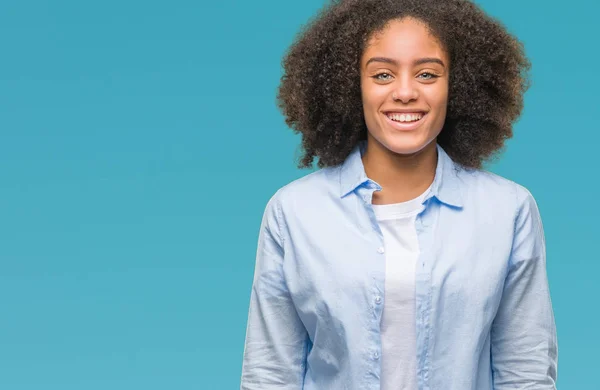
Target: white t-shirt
(398,333)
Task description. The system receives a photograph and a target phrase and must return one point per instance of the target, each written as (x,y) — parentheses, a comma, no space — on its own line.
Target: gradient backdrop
(140,142)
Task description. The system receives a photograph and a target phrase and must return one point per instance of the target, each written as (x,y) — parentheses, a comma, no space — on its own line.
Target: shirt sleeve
(523,334)
(276,339)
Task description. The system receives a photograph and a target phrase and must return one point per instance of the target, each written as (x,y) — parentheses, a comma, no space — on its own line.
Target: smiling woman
(404,85)
(401,263)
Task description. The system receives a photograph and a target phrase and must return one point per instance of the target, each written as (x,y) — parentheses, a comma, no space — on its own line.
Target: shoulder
(493,190)
(304,201)
(309,188)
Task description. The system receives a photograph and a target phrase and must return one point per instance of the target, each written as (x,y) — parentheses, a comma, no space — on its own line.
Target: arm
(276,340)
(523,334)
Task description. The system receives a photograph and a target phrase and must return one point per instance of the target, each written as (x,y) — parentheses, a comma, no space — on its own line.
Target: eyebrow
(420,61)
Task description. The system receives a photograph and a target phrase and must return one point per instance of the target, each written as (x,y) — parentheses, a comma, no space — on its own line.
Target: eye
(428,76)
(383,76)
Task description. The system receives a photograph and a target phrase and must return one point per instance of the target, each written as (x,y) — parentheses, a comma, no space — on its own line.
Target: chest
(336,268)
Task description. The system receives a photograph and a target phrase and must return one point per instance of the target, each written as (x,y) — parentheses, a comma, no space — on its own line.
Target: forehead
(404,38)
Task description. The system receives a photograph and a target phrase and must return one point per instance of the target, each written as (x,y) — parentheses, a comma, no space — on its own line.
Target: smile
(405,120)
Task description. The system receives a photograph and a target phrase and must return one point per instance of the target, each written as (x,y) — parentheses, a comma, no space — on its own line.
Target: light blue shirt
(484,316)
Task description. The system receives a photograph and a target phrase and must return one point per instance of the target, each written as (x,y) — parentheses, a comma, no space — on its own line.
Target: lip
(404,111)
(404,126)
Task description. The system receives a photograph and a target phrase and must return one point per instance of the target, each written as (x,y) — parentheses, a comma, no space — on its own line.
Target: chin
(406,146)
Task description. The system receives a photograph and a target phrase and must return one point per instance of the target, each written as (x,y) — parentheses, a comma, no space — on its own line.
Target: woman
(401,263)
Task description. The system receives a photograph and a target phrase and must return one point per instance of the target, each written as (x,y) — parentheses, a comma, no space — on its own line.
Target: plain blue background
(140,142)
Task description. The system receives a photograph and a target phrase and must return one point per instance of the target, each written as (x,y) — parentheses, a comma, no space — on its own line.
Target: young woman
(401,263)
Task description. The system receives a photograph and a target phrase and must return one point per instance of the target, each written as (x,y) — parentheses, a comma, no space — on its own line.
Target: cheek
(370,106)
(369,101)
(439,98)
(366,94)
(373,97)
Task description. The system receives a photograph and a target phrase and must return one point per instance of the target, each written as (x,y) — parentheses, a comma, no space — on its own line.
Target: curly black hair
(320,93)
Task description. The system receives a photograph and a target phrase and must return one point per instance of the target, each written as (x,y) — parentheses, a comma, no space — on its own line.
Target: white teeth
(405,117)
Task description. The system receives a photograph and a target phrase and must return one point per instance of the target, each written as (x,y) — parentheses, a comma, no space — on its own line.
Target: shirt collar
(446,184)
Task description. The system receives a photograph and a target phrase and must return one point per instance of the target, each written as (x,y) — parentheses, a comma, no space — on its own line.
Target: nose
(405,92)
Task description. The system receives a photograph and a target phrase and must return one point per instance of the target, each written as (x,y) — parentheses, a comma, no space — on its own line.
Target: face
(404,83)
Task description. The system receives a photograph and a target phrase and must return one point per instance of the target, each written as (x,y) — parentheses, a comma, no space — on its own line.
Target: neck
(402,176)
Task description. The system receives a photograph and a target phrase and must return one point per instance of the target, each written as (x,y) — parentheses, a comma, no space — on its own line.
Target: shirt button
(381,249)
(376,356)
(378,299)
